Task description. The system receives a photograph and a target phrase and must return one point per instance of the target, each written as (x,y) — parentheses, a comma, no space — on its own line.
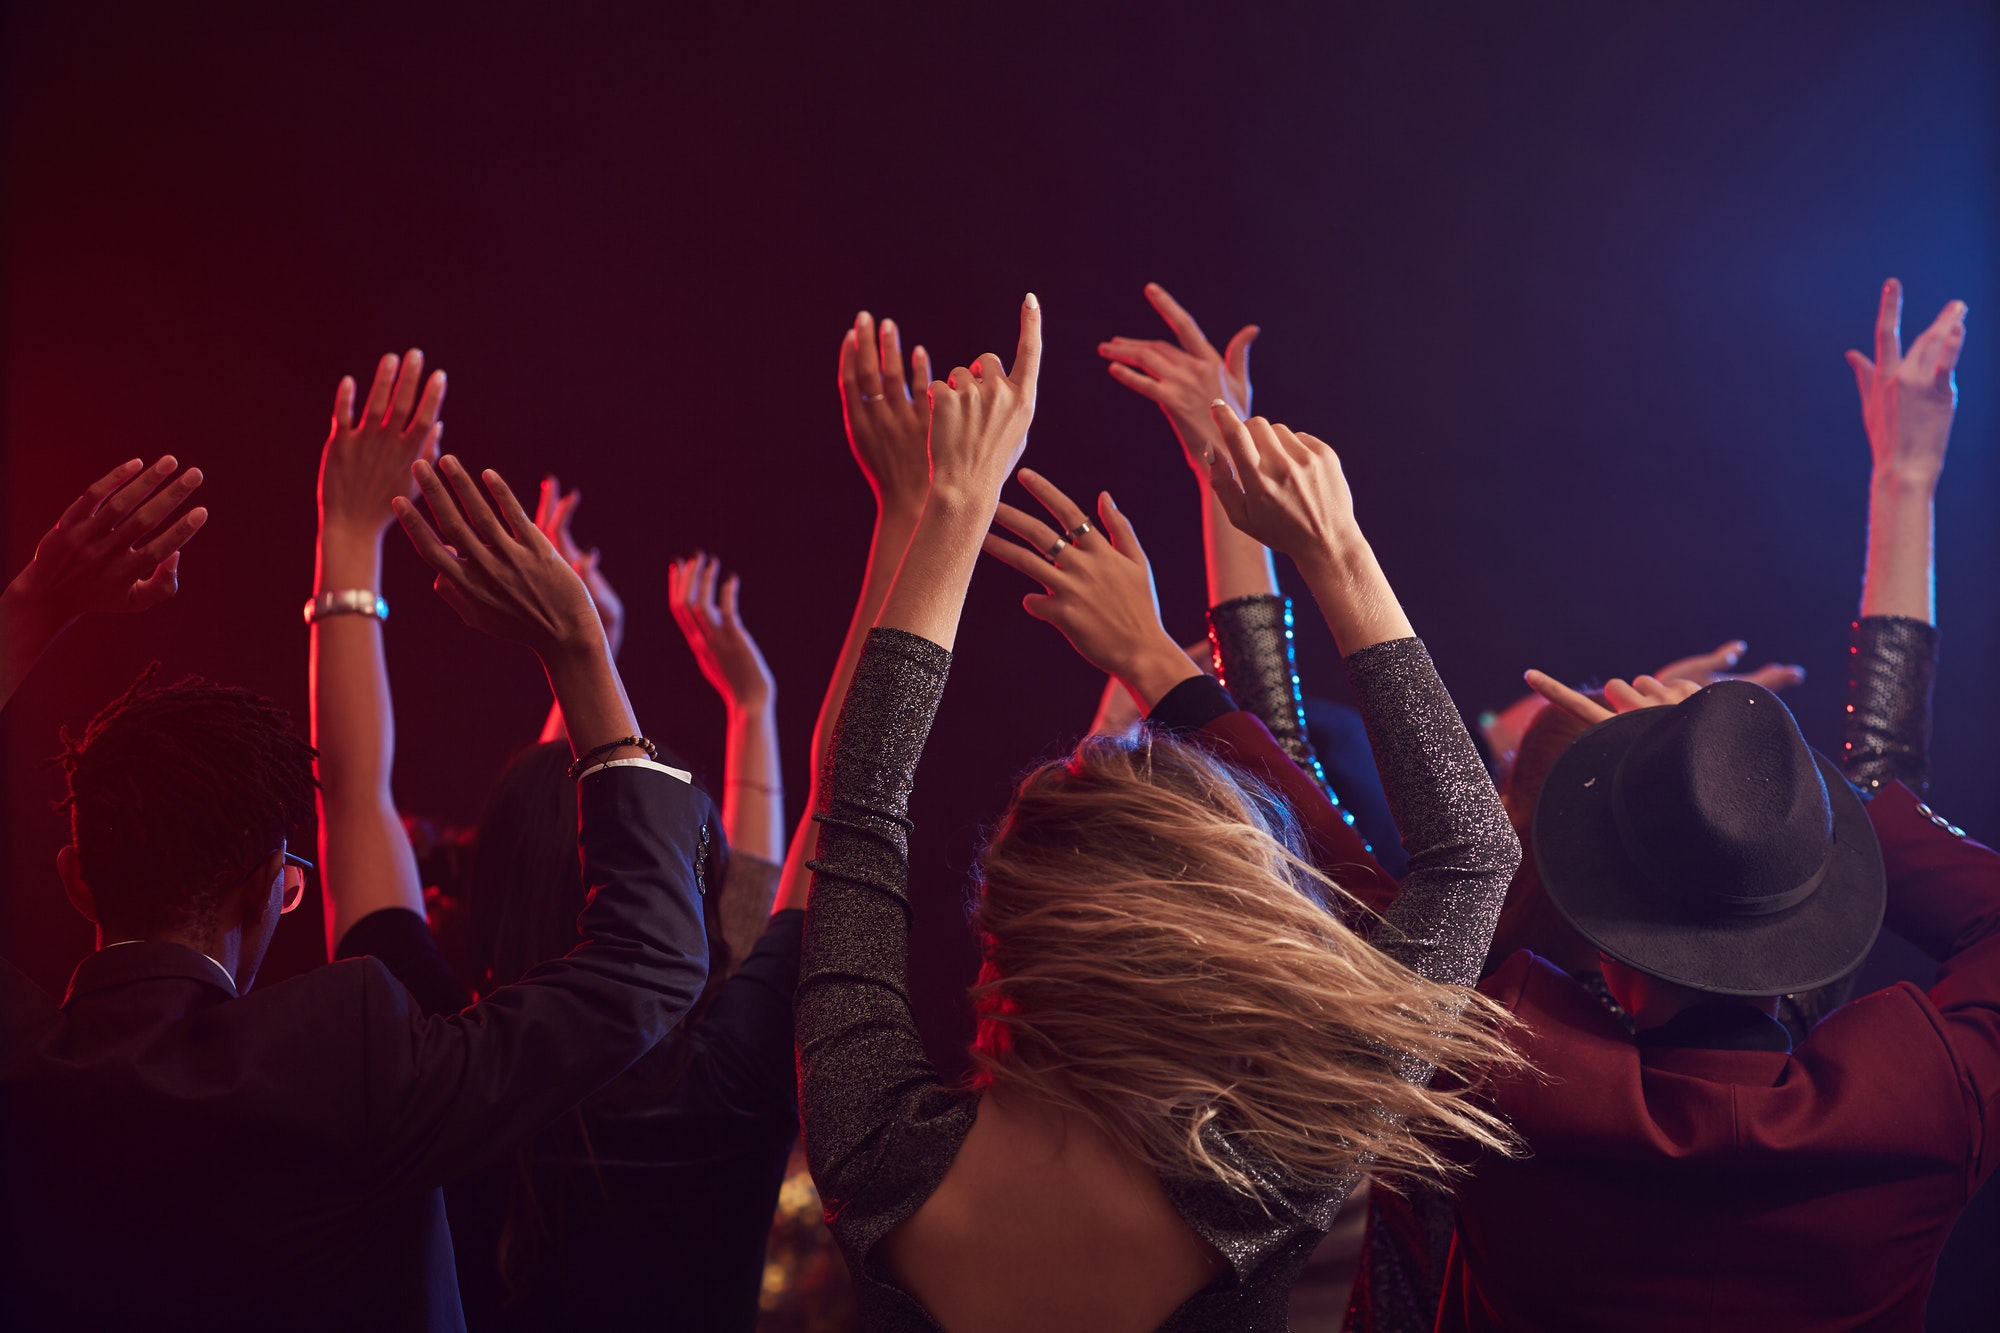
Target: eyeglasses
(295,881)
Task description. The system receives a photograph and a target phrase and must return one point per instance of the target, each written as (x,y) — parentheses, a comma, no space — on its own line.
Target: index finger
(1028,355)
(1889,325)
(1579,706)
(1179,320)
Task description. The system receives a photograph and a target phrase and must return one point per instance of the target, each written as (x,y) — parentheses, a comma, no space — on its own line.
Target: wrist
(27,617)
(349,557)
(1904,483)
(1337,561)
(900,506)
(1153,674)
(751,708)
(954,501)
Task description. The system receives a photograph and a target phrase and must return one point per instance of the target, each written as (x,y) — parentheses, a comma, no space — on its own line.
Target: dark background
(1567,284)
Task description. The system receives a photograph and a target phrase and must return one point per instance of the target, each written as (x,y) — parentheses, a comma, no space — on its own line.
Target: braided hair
(175,792)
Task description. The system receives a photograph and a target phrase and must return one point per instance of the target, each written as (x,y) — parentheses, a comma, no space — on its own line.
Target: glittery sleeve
(880,1125)
(1892,662)
(1252,639)
(1463,852)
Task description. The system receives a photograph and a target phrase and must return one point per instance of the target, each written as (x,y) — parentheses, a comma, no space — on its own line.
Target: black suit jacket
(177,1156)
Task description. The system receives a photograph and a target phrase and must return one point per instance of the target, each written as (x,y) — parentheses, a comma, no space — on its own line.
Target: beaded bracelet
(583,761)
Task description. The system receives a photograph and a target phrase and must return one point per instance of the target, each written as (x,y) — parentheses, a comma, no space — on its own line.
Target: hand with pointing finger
(1642,692)
(1908,399)
(979,420)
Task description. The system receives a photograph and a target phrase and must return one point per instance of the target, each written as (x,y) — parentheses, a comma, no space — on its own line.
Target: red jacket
(1715,1189)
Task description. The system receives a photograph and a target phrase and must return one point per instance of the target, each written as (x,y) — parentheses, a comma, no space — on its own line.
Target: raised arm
(365,859)
(555,511)
(1183,377)
(888,423)
(444,1094)
(866,1089)
(1907,405)
(1099,593)
(116,549)
(1287,490)
(753,782)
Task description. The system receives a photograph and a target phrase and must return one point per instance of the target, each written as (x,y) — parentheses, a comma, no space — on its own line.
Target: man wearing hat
(1694,1169)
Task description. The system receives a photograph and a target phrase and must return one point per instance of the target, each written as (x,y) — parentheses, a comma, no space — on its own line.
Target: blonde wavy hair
(1160,959)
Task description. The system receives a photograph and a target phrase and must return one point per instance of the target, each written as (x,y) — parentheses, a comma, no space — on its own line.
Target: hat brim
(1595,882)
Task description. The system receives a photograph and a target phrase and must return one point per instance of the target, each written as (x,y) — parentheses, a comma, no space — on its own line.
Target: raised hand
(1099,588)
(1282,487)
(713,626)
(116,549)
(366,461)
(1908,400)
(553,513)
(1643,692)
(503,578)
(887,423)
(1708,668)
(979,426)
(1186,375)
(980,416)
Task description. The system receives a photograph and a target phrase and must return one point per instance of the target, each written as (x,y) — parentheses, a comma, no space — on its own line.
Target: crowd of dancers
(1545,1024)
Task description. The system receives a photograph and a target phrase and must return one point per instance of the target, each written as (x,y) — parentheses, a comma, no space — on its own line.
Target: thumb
(1041,606)
(1864,373)
(156,587)
(1236,356)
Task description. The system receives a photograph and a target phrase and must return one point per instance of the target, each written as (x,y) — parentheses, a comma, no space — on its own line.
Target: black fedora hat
(1707,844)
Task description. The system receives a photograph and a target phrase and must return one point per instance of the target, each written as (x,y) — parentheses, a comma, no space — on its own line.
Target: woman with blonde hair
(1185,1059)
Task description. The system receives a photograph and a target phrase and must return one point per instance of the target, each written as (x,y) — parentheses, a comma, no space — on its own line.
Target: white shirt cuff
(680,773)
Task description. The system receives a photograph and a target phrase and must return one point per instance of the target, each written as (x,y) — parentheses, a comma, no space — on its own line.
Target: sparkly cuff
(1252,637)
(1892,664)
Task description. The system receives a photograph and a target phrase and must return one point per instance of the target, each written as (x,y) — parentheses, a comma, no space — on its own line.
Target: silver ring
(873,397)
(1079,532)
(1062,543)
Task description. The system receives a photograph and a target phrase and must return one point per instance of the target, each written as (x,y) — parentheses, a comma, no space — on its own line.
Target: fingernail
(1033,304)
(1217,402)
(864,315)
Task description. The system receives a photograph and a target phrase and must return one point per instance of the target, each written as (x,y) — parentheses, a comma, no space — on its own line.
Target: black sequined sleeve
(1252,639)
(1892,662)
(1463,852)
(880,1125)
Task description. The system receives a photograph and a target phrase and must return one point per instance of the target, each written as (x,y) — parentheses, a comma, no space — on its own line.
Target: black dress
(881,1128)
(657,1194)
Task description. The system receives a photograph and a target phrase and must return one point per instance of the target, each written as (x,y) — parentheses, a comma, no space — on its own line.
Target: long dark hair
(525,891)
